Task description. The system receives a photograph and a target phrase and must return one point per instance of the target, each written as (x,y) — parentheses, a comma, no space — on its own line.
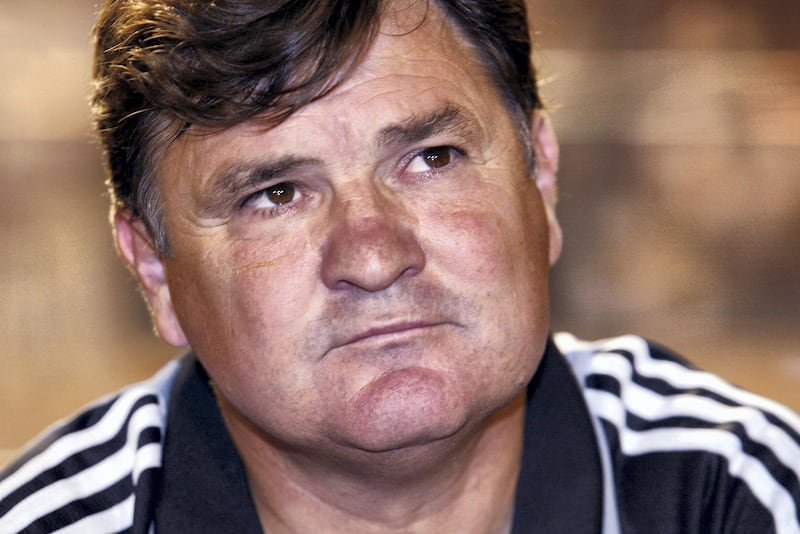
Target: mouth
(390,332)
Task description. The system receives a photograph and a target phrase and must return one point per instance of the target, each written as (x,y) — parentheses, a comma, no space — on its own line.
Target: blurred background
(680,196)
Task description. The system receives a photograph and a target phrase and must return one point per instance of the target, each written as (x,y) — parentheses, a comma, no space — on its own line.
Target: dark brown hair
(164,65)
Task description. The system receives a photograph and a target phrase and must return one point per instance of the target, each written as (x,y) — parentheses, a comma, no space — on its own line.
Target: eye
(432,159)
(276,195)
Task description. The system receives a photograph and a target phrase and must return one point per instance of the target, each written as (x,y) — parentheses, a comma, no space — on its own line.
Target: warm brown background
(680,130)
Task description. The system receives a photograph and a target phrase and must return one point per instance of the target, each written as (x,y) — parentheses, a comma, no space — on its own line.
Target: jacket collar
(204,486)
(560,482)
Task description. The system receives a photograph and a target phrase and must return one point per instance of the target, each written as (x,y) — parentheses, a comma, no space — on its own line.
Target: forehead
(417,64)
(417,46)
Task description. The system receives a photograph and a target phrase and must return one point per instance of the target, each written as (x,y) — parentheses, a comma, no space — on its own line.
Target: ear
(546,148)
(136,247)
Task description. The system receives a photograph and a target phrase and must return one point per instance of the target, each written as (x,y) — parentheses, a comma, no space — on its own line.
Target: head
(163,66)
(346,209)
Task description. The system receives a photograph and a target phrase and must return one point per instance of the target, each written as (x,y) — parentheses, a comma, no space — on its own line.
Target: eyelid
(302,196)
(258,191)
(456,153)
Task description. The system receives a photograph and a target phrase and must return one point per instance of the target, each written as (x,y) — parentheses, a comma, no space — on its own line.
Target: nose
(371,243)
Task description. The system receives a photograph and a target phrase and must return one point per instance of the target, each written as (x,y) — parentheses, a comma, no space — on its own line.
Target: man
(347,211)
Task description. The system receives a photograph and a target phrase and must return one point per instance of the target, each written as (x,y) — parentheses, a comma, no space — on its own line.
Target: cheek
(497,253)
(246,308)
(271,288)
(243,299)
(492,242)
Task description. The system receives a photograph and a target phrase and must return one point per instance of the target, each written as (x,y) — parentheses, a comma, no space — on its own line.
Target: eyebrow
(232,180)
(446,119)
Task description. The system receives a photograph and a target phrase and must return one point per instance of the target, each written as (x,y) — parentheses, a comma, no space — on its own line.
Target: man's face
(371,273)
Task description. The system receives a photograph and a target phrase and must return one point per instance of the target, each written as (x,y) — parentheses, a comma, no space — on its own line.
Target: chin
(404,408)
(417,408)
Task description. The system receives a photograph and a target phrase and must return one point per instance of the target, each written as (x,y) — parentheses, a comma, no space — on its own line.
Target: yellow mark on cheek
(256,265)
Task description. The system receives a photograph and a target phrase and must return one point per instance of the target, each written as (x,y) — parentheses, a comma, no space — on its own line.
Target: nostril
(371,255)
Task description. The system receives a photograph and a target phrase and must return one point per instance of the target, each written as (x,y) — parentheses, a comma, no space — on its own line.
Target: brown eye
(433,159)
(281,193)
(271,197)
(437,157)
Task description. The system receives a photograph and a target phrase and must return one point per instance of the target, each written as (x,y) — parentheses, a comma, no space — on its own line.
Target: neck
(465,483)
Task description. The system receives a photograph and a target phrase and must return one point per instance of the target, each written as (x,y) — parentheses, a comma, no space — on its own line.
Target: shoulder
(85,471)
(686,440)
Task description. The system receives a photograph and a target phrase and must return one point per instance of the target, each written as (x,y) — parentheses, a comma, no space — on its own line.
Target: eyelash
(275,209)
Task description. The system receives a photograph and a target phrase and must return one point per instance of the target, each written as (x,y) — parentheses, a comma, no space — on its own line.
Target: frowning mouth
(387,332)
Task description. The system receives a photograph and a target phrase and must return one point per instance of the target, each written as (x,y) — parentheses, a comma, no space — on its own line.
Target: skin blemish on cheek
(257,265)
